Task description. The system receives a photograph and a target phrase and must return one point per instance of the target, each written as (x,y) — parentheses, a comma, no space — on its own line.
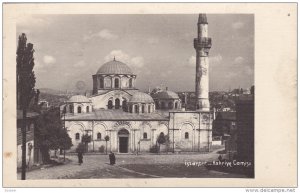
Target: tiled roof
(78,99)
(140,97)
(115,115)
(114,67)
(166,95)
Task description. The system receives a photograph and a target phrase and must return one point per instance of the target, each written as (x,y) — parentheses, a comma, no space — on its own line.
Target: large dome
(114,67)
(140,97)
(166,95)
(79,99)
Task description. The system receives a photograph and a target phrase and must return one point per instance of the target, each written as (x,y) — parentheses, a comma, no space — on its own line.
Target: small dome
(79,99)
(141,97)
(114,67)
(166,95)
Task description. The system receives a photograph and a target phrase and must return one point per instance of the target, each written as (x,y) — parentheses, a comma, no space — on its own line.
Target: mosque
(133,120)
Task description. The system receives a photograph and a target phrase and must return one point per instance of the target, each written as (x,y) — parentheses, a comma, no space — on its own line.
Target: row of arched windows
(165,105)
(77,136)
(116,83)
(79,109)
(137,109)
(145,136)
(117,104)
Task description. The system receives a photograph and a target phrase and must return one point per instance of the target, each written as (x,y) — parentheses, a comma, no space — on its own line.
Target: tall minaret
(202,44)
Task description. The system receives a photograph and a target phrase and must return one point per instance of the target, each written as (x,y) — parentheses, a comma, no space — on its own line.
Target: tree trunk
(24,145)
(106,148)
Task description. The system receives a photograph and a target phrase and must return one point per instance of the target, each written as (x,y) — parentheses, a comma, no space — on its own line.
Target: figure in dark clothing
(112,158)
(80,157)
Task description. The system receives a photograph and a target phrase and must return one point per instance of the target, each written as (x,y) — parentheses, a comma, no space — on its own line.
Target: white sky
(159,49)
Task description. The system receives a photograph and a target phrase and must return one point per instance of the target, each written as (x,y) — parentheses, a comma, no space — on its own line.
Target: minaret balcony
(202,42)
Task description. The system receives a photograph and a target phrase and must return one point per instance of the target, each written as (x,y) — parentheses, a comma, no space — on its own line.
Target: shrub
(154,149)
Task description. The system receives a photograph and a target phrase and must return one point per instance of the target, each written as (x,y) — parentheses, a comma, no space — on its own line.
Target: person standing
(112,158)
(80,157)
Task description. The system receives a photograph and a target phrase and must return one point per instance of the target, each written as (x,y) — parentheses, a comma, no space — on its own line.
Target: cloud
(103,34)
(79,64)
(216,59)
(237,25)
(238,60)
(119,55)
(212,60)
(49,60)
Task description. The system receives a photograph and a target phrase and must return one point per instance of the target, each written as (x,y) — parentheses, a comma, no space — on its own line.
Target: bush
(101,149)
(154,149)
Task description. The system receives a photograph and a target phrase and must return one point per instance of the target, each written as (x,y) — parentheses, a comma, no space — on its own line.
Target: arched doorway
(117,103)
(123,136)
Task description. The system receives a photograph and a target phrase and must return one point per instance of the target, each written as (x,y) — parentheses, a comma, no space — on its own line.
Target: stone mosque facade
(133,120)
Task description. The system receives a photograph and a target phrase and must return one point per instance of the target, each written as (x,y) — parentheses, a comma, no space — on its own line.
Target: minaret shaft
(202,44)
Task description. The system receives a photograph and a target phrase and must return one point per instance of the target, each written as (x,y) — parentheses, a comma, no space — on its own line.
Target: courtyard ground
(132,166)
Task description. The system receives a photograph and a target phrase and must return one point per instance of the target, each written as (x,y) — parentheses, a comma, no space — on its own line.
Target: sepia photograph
(149,95)
(135,96)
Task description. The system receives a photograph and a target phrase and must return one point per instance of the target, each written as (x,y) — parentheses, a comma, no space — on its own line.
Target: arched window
(71,109)
(110,104)
(143,108)
(101,82)
(98,136)
(130,108)
(77,136)
(186,135)
(117,103)
(87,109)
(117,83)
(170,105)
(176,105)
(78,109)
(124,105)
(145,135)
(130,83)
(65,109)
(136,108)
(149,108)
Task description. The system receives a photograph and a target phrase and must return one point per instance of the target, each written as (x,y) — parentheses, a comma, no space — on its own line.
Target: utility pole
(173,133)
(64,113)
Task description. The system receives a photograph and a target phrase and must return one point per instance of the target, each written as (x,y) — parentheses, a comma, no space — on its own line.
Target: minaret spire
(202,44)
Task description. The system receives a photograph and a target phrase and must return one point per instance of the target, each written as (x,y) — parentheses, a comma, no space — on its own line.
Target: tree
(86,139)
(25,87)
(50,134)
(161,140)
(106,140)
